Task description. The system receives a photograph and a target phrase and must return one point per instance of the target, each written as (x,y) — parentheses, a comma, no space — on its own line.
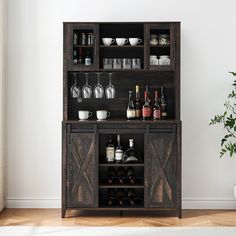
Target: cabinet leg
(121,213)
(63,213)
(180,216)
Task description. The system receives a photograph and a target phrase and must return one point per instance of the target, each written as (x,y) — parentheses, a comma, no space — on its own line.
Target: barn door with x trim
(82,170)
(160,170)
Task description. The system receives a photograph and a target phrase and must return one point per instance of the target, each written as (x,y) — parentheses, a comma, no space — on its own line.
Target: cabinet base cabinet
(84,169)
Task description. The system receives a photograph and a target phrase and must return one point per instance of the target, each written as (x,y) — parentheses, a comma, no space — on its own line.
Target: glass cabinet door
(160,46)
(83,49)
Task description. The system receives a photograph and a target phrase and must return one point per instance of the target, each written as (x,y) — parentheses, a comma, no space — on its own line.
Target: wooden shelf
(161,68)
(121,164)
(159,46)
(122,121)
(124,46)
(153,69)
(83,46)
(121,70)
(121,186)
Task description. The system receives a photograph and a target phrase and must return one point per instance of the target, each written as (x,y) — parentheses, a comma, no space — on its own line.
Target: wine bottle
(156,108)
(131,155)
(75,57)
(121,175)
(137,105)
(130,108)
(163,104)
(119,151)
(75,39)
(88,59)
(131,196)
(110,150)
(111,197)
(146,111)
(148,94)
(121,196)
(131,175)
(80,59)
(111,175)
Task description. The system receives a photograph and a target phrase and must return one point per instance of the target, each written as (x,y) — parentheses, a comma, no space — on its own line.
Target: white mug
(121,41)
(134,41)
(84,115)
(108,41)
(102,114)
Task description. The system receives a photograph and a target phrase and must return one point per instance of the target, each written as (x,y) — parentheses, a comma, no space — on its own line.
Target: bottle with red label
(163,104)
(146,111)
(156,108)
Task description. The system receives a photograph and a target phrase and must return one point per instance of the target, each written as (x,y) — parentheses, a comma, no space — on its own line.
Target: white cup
(134,41)
(84,115)
(102,114)
(108,41)
(121,41)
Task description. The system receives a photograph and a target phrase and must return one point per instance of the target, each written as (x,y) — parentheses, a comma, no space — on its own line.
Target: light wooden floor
(51,217)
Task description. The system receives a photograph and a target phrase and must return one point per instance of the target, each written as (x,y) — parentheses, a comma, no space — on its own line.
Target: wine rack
(137,201)
(85,178)
(116,182)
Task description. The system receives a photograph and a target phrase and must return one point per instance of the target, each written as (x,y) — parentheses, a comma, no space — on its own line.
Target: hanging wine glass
(75,89)
(87,89)
(110,89)
(98,89)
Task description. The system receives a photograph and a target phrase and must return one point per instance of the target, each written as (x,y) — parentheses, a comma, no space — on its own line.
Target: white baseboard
(33,203)
(209,203)
(188,203)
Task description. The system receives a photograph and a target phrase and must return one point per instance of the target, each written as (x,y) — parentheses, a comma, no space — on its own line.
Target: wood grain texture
(81,166)
(163,150)
(160,170)
(51,217)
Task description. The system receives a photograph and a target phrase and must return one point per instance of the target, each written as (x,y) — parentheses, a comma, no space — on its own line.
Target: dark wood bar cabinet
(84,166)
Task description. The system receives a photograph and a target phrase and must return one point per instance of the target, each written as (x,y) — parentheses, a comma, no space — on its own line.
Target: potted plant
(228,120)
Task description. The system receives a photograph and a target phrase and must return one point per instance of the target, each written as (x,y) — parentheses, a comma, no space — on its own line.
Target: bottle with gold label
(130,108)
(137,105)
(119,151)
(110,150)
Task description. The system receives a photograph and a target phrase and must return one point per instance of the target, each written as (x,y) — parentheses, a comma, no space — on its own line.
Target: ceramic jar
(153,60)
(153,39)
(164,39)
(164,60)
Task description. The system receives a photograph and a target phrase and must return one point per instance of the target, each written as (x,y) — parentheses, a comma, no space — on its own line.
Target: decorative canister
(153,39)
(164,39)
(153,60)
(164,60)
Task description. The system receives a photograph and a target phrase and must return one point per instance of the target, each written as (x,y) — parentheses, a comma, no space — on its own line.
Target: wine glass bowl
(75,89)
(110,89)
(98,89)
(87,89)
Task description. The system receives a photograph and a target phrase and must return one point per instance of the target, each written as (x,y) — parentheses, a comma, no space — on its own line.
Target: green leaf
(228,120)
(233,73)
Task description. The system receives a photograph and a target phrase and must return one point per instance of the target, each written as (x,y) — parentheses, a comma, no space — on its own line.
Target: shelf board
(83,46)
(124,46)
(159,46)
(121,164)
(161,68)
(82,68)
(121,186)
(121,70)
(124,121)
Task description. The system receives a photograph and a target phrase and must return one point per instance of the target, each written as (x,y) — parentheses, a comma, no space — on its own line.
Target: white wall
(35,92)
(2,98)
